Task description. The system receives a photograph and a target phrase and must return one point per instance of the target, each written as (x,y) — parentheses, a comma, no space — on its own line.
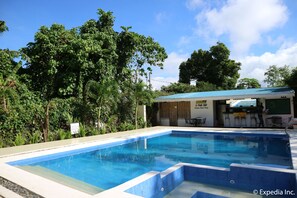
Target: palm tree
(103,94)
(7,92)
(142,96)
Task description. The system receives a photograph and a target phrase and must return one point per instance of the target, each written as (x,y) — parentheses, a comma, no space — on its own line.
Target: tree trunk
(46,122)
(136,115)
(99,114)
(4,103)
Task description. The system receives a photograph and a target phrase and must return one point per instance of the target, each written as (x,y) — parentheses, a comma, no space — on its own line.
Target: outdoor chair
(200,122)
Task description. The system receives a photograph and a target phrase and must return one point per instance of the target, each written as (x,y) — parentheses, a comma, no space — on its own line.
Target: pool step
(188,189)
(62,179)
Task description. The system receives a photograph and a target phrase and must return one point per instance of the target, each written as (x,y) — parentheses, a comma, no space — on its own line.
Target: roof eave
(272,95)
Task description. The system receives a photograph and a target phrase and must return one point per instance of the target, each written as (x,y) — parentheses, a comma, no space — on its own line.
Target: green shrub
(82,131)
(62,134)
(141,122)
(1,142)
(102,130)
(93,131)
(111,125)
(19,140)
(34,138)
(126,126)
(52,136)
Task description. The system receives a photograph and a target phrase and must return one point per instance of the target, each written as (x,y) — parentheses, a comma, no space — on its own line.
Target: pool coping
(48,188)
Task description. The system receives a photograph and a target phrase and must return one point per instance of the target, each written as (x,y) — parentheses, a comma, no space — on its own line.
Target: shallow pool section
(107,166)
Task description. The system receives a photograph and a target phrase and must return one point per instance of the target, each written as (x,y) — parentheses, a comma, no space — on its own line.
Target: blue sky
(259,33)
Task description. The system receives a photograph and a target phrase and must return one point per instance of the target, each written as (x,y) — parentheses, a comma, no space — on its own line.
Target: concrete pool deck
(48,188)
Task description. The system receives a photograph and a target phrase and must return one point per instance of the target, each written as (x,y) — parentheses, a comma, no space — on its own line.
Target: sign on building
(201,104)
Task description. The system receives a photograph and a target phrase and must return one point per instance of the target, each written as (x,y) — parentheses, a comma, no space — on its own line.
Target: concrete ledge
(4,192)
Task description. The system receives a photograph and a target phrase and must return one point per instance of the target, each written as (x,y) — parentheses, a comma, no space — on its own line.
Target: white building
(215,106)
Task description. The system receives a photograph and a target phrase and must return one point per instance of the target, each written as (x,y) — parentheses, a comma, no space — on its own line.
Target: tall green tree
(246,83)
(179,88)
(137,54)
(276,76)
(292,82)
(142,96)
(292,79)
(46,65)
(8,91)
(213,66)
(103,95)
(8,74)
(3,26)
(97,51)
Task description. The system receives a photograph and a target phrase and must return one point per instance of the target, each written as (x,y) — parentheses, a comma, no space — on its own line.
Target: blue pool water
(109,167)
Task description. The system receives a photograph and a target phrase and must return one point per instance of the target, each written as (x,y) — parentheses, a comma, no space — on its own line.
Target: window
(278,106)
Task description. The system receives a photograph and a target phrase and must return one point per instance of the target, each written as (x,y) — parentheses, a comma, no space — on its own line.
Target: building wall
(205,110)
(285,117)
(164,122)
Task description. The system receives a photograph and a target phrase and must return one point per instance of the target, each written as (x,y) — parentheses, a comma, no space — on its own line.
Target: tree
(46,65)
(104,95)
(142,95)
(247,83)
(292,79)
(206,86)
(136,55)
(213,66)
(7,91)
(276,76)
(184,71)
(3,26)
(292,82)
(8,73)
(96,49)
(179,88)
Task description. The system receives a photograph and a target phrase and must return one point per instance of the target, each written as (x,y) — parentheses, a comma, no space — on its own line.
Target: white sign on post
(74,128)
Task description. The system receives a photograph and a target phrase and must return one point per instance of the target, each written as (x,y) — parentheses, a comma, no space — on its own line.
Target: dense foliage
(89,74)
(211,66)
(247,83)
(276,76)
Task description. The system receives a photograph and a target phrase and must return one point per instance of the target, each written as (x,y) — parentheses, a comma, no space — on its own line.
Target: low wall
(242,177)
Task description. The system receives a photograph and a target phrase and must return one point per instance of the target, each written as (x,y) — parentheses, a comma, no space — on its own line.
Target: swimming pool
(109,165)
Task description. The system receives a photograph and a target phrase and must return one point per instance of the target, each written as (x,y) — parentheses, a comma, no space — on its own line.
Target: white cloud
(193,4)
(170,72)
(158,82)
(276,41)
(256,66)
(243,21)
(161,17)
(184,40)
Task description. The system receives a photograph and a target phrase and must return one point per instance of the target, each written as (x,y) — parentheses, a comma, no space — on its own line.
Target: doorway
(173,114)
(220,108)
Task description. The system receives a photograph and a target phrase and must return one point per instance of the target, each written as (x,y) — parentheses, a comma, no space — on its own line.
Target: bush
(63,134)
(102,131)
(92,131)
(34,138)
(111,125)
(19,140)
(126,126)
(82,131)
(141,123)
(1,142)
(52,136)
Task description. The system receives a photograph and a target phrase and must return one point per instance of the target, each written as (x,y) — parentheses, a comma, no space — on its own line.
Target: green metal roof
(230,94)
